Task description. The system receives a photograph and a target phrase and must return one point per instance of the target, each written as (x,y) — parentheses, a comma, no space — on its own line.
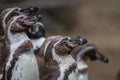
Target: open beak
(30,10)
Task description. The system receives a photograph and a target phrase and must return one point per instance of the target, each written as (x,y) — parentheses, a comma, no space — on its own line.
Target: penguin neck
(37,42)
(81,61)
(15,37)
(38,35)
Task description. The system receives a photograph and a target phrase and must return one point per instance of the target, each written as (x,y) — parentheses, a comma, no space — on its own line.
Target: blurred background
(96,20)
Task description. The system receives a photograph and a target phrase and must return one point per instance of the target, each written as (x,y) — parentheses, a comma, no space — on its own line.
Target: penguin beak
(32,20)
(36,18)
(80,41)
(102,57)
(30,10)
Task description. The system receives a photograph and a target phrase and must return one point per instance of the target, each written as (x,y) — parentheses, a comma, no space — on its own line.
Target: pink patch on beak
(25,21)
(71,44)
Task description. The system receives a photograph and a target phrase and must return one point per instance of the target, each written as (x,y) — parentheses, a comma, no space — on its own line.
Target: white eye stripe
(68,37)
(54,55)
(6,15)
(58,42)
(15,18)
(8,64)
(46,46)
(1,75)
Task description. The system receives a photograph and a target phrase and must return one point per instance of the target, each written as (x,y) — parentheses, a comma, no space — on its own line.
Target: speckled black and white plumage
(21,63)
(20,59)
(55,61)
(5,16)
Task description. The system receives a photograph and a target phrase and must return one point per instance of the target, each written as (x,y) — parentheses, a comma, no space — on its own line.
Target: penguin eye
(20,18)
(16,11)
(64,40)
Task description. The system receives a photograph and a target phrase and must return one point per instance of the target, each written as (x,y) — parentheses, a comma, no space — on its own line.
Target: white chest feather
(4,19)
(64,63)
(80,62)
(82,65)
(83,77)
(15,42)
(1,75)
(73,75)
(37,42)
(13,47)
(26,68)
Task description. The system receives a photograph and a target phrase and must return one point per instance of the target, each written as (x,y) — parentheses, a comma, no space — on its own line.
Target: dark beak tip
(105,60)
(35,9)
(83,41)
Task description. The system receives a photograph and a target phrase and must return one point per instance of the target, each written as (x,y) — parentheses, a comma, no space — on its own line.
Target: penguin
(82,53)
(21,63)
(55,61)
(36,33)
(5,16)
